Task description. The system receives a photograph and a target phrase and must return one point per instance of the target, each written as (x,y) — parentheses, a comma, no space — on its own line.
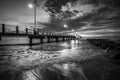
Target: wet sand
(75,60)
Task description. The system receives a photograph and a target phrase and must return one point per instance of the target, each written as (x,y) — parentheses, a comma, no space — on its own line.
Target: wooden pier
(35,35)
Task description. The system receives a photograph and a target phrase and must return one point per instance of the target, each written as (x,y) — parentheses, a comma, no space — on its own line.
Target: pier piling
(41,40)
(48,40)
(57,39)
(17,30)
(0,38)
(26,30)
(3,28)
(30,41)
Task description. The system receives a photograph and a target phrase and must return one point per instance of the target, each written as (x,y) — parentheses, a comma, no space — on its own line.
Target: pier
(34,34)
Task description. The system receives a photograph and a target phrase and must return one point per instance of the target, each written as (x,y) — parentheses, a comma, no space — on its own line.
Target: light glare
(30,5)
(73,30)
(65,26)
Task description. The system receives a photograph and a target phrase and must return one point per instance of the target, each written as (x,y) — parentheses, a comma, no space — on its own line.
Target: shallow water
(73,60)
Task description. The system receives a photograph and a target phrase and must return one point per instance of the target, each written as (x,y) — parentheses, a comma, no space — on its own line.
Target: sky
(18,12)
(91,18)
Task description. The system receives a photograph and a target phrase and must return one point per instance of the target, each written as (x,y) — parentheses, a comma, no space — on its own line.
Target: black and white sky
(90,18)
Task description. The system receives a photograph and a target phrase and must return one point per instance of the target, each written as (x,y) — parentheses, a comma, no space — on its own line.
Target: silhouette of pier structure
(34,34)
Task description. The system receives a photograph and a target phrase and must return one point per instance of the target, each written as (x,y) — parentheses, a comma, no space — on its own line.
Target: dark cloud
(57,26)
(112,3)
(113,21)
(75,25)
(55,6)
(54,9)
(79,22)
(52,27)
(85,17)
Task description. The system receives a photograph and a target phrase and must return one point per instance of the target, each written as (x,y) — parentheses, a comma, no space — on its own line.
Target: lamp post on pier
(65,26)
(34,5)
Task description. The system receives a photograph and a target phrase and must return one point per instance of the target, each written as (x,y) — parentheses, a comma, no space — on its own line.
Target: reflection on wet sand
(66,71)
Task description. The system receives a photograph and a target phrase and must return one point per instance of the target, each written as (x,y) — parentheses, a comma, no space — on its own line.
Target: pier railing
(8,29)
